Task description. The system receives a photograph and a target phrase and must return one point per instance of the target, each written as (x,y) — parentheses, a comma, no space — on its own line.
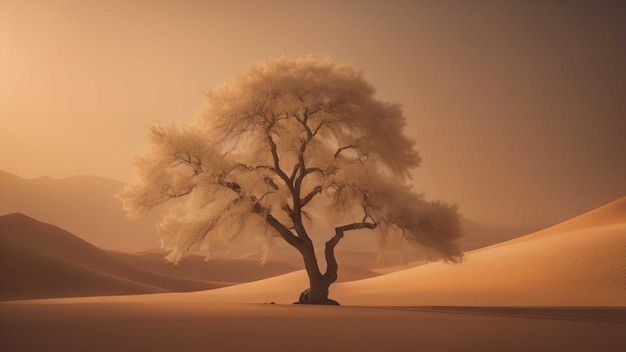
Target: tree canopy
(281,138)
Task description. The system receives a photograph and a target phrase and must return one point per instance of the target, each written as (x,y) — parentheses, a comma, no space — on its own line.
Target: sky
(518,108)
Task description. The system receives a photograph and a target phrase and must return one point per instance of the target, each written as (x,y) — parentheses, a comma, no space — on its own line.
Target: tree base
(305,298)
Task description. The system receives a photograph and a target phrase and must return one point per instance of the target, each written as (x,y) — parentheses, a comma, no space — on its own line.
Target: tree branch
(341,149)
(186,158)
(257,208)
(277,168)
(294,172)
(304,201)
(331,262)
(356,226)
(169,192)
(317,129)
(284,232)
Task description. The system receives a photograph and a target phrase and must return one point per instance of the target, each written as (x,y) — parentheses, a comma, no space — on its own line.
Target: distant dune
(86,206)
(39,260)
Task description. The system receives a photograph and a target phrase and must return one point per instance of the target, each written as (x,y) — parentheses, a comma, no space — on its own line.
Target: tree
(282,138)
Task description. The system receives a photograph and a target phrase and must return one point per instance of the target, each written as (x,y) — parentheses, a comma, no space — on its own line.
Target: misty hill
(86,206)
(38,260)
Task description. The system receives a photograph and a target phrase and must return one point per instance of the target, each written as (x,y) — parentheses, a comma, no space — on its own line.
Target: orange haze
(517,107)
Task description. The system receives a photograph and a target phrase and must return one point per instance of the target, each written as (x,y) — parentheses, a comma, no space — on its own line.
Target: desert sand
(559,289)
(181,325)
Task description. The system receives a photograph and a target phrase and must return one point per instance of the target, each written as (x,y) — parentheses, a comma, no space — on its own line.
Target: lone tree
(283,137)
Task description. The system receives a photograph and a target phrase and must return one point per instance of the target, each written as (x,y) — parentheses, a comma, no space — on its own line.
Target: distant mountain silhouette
(38,260)
(84,205)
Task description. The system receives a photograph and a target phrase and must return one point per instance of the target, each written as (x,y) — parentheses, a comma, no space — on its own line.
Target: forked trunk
(317,293)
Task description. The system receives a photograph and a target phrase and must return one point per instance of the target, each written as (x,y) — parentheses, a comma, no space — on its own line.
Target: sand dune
(608,214)
(584,267)
(580,262)
(40,260)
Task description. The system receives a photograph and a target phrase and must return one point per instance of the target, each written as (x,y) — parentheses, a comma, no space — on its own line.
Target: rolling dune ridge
(579,262)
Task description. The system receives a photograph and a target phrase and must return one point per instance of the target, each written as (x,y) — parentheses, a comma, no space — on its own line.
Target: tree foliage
(282,136)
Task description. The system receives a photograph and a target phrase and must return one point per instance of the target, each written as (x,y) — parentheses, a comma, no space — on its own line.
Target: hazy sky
(519,109)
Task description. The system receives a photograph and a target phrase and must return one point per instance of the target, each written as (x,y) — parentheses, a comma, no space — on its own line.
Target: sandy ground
(188,326)
(559,289)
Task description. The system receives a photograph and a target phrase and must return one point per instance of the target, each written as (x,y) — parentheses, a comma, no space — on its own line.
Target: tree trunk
(317,293)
